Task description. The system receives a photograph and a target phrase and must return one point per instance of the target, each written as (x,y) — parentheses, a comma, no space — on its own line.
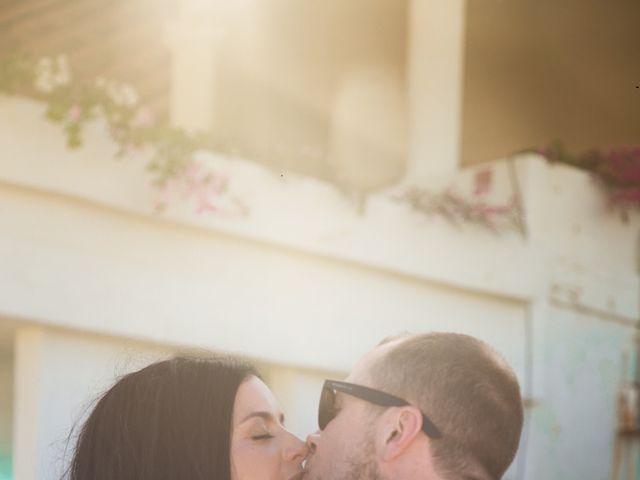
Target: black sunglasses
(327,410)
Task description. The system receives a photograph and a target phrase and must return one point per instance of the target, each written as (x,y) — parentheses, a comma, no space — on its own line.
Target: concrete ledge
(314,217)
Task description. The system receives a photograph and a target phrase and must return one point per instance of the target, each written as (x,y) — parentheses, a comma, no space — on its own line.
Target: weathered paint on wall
(582,366)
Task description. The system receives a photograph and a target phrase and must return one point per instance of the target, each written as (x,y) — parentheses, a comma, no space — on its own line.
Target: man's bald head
(465,388)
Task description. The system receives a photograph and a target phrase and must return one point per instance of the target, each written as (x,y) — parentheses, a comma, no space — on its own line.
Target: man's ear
(399,429)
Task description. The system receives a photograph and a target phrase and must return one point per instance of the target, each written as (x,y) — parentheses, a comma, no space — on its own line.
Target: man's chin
(306,475)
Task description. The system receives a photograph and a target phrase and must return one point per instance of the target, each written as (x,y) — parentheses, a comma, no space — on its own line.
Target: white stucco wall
(117,276)
(298,392)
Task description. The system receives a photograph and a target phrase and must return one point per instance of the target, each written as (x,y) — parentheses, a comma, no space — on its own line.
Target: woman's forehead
(254,396)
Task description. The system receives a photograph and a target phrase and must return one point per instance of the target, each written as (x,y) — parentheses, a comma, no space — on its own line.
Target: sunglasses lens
(326,410)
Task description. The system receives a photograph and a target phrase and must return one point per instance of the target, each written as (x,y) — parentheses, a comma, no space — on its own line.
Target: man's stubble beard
(362,466)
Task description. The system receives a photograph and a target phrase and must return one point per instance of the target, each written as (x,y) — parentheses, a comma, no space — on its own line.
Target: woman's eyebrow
(267,416)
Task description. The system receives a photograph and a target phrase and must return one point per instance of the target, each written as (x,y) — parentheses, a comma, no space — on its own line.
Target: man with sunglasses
(437,406)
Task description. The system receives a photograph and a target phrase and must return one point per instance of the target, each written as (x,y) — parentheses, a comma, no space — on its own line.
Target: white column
(193,42)
(435,75)
(27,398)
(57,376)
(368,146)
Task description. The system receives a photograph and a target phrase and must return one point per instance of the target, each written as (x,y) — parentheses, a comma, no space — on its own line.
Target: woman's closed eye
(263,424)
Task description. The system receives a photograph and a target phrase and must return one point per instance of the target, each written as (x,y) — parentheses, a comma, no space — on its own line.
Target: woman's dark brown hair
(170,420)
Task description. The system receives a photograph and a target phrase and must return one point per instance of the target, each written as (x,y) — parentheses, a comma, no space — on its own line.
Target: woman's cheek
(256,462)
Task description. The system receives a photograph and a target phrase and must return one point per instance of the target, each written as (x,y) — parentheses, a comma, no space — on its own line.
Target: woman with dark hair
(188,419)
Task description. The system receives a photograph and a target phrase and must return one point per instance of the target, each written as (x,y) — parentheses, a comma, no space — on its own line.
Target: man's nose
(312,441)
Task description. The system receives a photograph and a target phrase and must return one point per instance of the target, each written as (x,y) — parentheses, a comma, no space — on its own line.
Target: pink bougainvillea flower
(626,197)
(192,175)
(117,133)
(482,181)
(132,150)
(169,191)
(143,117)
(217,183)
(74,113)
(205,196)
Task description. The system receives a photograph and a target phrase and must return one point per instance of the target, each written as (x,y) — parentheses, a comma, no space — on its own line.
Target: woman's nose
(297,450)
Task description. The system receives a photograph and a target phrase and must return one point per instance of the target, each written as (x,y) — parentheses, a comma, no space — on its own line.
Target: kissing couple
(434,406)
